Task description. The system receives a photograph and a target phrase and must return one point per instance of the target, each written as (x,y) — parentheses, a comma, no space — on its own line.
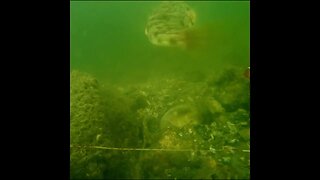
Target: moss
(86,109)
(100,117)
(231,89)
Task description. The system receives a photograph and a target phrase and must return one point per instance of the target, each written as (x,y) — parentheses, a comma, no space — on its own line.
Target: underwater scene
(159,90)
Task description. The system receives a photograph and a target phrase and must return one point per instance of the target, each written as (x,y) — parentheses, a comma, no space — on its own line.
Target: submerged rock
(101,116)
(86,108)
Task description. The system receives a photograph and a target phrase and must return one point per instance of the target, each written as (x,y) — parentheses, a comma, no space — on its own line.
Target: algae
(170,128)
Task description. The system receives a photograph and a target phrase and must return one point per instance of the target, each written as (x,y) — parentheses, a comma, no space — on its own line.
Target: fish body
(168,24)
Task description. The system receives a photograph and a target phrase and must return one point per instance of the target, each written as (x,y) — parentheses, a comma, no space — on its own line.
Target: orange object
(247,73)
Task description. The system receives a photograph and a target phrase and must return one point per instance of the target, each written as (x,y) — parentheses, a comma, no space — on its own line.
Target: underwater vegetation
(101,118)
(169,128)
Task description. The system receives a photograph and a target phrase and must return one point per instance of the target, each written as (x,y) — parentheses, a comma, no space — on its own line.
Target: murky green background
(108,40)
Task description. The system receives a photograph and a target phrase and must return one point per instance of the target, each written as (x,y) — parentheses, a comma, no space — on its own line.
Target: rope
(144,149)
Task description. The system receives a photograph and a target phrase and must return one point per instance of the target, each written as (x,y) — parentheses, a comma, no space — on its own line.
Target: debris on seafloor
(174,123)
(179,116)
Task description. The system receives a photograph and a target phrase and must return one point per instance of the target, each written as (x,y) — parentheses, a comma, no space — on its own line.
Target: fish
(169,24)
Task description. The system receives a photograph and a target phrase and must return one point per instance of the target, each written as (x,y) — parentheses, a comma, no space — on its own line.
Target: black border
(36,97)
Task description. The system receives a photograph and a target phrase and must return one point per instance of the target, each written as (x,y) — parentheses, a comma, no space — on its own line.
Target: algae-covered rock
(232,90)
(87,115)
(100,117)
(87,126)
(100,114)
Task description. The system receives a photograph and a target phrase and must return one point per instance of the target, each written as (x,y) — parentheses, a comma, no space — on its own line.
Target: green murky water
(143,111)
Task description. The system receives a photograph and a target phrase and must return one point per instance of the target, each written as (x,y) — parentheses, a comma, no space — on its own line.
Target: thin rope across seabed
(130,149)
(145,149)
